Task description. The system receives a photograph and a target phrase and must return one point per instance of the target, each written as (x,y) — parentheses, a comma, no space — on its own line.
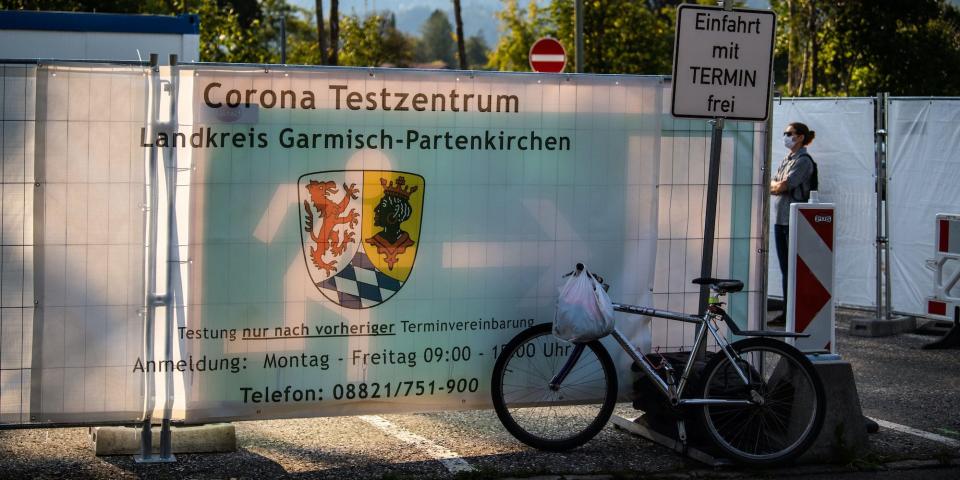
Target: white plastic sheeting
(844,152)
(684,163)
(923,180)
(17,124)
(72,243)
(73,360)
(923,175)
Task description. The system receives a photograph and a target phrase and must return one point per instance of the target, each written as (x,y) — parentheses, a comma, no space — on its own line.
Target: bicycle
(759,400)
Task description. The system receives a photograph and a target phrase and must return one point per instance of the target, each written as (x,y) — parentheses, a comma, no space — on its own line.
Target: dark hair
(401,209)
(808,135)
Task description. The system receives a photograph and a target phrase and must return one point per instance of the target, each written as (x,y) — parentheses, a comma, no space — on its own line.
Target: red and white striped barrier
(946,267)
(810,306)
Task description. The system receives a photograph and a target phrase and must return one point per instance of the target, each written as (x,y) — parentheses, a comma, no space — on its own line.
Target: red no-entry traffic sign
(547,56)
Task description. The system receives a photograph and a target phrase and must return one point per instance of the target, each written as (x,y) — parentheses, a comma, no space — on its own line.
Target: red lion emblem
(327,239)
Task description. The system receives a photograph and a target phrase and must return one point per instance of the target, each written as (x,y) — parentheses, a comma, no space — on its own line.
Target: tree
(398,47)
(302,43)
(624,36)
(334,32)
(268,35)
(437,38)
(620,36)
(861,47)
(517,35)
(477,51)
(321,38)
(374,41)
(223,37)
(461,48)
(799,31)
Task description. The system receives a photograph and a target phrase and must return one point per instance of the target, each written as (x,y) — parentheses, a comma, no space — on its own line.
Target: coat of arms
(360,232)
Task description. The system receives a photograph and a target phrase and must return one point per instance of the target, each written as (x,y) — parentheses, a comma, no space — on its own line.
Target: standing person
(792,183)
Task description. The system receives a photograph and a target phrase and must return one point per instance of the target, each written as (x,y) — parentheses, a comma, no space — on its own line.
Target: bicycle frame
(757,400)
(667,387)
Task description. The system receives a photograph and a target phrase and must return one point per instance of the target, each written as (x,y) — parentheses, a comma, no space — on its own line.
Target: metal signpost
(722,70)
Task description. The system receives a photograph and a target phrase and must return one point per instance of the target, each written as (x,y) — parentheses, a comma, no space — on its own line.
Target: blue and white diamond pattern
(359,284)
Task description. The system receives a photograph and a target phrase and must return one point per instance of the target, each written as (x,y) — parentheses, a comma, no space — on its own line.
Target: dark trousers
(781,234)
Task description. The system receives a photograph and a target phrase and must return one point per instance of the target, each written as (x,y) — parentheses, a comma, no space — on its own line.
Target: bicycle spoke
(553,418)
(780,426)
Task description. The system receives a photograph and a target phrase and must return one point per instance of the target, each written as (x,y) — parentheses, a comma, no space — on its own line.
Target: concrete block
(844,433)
(937,328)
(842,438)
(212,438)
(871,327)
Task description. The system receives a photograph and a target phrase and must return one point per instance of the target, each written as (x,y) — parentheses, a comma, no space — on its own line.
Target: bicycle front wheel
(787,402)
(559,418)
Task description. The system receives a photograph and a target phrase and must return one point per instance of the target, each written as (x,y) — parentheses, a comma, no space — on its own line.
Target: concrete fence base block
(212,438)
(871,327)
(844,434)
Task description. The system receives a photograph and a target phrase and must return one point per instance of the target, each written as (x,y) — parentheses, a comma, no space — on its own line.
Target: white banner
(843,150)
(367,242)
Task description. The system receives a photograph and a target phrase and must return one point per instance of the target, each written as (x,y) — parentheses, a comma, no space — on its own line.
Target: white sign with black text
(722,63)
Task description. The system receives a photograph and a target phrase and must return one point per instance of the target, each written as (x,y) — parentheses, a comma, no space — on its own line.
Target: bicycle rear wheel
(546,418)
(788,407)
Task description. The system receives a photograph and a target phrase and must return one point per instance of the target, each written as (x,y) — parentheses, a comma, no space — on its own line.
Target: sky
(478,15)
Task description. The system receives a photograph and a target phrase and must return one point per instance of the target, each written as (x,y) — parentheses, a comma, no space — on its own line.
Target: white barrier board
(946,267)
(810,303)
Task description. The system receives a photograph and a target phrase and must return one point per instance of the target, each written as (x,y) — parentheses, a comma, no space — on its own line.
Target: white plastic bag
(584,311)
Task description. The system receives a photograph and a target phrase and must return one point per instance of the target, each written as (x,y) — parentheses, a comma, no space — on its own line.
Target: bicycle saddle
(724,285)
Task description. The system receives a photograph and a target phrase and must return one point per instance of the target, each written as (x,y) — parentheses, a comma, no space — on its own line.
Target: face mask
(789,142)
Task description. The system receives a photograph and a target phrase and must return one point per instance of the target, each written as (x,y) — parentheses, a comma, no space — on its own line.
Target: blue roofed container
(34,35)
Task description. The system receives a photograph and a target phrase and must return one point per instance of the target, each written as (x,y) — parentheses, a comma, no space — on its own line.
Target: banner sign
(367,241)
(723,62)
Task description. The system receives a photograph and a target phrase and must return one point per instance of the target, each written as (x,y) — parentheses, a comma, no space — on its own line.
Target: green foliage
(373,41)
(840,47)
(301,34)
(628,37)
(477,51)
(221,37)
(620,36)
(861,47)
(519,28)
(437,40)
(249,31)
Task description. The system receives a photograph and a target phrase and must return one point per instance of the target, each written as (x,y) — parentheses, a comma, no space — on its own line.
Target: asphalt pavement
(914,393)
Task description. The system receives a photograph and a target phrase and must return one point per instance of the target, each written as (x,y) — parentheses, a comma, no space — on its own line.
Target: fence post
(883,248)
(151,197)
(173,265)
(764,250)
